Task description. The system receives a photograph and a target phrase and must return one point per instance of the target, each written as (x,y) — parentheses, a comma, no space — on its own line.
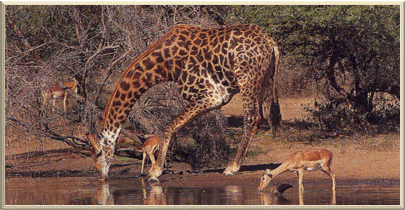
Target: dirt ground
(357,157)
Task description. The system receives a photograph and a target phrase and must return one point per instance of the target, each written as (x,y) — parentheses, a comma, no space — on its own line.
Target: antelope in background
(56,92)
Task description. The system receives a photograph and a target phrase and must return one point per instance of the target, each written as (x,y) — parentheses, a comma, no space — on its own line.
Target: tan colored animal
(56,92)
(151,145)
(320,159)
(210,66)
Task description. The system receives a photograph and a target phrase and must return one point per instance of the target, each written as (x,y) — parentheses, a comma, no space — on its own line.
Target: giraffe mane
(143,55)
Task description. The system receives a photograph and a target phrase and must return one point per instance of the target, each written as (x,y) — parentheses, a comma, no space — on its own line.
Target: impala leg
(65,103)
(143,162)
(300,178)
(332,176)
(152,158)
(192,111)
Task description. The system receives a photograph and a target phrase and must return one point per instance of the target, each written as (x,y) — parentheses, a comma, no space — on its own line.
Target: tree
(49,45)
(352,52)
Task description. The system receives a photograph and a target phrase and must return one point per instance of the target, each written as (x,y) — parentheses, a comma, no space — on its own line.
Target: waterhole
(195,190)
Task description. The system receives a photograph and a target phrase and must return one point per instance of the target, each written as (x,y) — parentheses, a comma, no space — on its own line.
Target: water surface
(231,191)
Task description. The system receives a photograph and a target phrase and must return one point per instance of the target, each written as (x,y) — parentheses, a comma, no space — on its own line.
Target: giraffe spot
(166,52)
(124,85)
(176,73)
(117,125)
(137,74)
(174,49)
(184,77)
(221,39)
(182,52)
(159,70)
(121,117)
(186,33)
(148,63)
(191,80)
(197,42)
(182,38)
(136,84)
(194,50)
(195,70)
(123,96)
(217,49)
(215,59)
(207,53)
(130,94)
(203,35)
(116,103)
(169,64)
(158,56)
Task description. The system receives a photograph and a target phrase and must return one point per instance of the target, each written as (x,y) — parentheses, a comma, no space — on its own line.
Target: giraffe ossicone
(210,66)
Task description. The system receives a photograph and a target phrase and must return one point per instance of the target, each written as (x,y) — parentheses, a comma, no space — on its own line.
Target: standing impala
(56,92)
(320,159)
(149,147)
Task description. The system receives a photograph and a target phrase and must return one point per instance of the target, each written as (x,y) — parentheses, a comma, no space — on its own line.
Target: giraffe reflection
(153,195)
(103,195)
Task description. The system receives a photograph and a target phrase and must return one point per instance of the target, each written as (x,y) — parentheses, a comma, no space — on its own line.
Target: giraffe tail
(275,113)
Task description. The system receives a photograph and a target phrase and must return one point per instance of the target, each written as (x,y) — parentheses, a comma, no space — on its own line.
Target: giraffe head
(99,156)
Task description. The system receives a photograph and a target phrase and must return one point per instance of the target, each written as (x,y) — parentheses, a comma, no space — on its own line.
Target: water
(229,190)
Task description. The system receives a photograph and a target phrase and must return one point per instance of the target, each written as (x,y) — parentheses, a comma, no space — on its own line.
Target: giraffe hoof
(230,170)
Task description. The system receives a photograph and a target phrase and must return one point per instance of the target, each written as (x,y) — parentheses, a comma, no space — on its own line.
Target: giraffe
(210,66)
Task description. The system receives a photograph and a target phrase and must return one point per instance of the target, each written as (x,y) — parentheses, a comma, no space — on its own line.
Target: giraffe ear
(92,141)
(267,171)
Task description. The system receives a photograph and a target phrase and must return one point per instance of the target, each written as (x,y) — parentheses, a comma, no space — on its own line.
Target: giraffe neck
(146,71)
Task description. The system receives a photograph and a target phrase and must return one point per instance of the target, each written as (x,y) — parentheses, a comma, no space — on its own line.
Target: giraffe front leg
(192,111)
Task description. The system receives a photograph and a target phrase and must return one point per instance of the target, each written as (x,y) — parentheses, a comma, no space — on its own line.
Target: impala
(150,146)
(319,159)
(56,92)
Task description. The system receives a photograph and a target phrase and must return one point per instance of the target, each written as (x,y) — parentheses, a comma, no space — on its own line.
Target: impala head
(265,179)
(98,155)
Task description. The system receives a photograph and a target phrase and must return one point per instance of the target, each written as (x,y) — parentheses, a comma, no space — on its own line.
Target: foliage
(351,52)
(47,45)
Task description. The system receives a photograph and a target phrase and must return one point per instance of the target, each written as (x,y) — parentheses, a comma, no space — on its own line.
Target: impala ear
(92,141)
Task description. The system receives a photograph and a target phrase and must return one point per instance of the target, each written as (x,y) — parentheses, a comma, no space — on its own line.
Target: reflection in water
(87,191)
(332,201)
(154,195)
(103,195)
(273,199)
(234,193)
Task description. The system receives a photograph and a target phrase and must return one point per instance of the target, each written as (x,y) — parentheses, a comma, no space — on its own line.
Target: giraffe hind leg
(252,121)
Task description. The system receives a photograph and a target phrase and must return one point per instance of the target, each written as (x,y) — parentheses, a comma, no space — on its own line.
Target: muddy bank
(351,161)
